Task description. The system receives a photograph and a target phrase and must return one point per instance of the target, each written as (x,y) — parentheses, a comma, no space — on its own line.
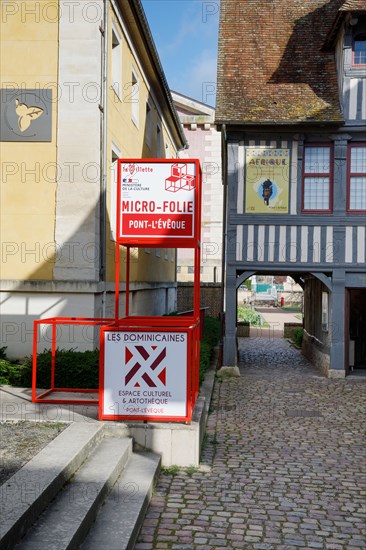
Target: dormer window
(359,50)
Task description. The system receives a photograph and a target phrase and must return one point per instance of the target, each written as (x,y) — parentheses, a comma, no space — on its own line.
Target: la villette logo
(131,169)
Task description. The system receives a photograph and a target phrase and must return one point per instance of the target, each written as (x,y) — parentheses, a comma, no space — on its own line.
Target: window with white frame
(359,50)
(317,178)
(116,62)
(135,97)
(356,199)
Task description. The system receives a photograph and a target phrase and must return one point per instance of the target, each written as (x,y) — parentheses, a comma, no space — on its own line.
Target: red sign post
(148,366)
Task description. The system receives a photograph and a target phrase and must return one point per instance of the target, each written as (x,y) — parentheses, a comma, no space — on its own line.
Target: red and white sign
(144,375)
(157,200)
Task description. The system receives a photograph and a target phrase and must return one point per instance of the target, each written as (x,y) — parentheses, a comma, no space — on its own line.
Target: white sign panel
(157,200)
(145,374)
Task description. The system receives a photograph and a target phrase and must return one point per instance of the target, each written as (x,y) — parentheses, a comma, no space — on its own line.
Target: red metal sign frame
(46,396)
(187,324)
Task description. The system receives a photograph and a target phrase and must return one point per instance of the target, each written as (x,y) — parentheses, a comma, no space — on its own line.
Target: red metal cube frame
(189,324)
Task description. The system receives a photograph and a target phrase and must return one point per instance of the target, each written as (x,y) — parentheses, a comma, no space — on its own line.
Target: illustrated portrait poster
(267,176)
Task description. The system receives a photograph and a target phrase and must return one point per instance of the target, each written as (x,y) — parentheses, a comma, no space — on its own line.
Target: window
(356,180)
(159,142)
(325,311)
(167,151)
(135,99)
(359,50)
(317,178)
(115,155)
(148,124)
(116,62)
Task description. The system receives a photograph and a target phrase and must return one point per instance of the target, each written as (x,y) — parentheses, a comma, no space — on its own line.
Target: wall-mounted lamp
(353,21)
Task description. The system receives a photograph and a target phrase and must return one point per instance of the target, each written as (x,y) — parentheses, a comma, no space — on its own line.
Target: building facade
(291,104)
(204,143)
(81,85)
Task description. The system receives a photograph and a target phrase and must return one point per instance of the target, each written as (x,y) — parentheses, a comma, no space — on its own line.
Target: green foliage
(192,470)
(298,336)
(170,470)
(211,331)
(10,373)
(3,353)
(210,338)
(80,369)
(205,359)
(245,313)
(73,369)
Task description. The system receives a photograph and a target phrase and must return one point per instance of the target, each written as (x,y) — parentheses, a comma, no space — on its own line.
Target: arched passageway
(333,319)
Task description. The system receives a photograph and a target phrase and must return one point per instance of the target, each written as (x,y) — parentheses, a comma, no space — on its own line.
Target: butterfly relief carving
(26,114)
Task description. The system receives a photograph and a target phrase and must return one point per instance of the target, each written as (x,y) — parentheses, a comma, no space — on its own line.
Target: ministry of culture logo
(146,365)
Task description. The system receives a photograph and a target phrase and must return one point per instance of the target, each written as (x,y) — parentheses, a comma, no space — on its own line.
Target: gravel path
(21,441)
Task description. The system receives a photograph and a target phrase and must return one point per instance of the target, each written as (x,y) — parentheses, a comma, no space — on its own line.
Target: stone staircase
(87,489)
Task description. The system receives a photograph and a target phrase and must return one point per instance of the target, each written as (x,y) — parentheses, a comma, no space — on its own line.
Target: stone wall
(317,356)
(210,297)
(243,329)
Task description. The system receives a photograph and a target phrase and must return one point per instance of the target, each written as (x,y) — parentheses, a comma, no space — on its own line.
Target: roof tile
(271,67)
(354,5)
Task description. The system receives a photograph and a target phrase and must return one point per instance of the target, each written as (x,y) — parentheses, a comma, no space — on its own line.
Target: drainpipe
(224,220)
(104,157)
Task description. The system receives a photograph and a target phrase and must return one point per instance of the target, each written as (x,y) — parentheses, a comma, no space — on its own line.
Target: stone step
(120,519)
(67,520)
(29,491)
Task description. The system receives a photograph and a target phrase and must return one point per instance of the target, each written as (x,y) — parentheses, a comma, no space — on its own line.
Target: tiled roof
(271,67)
(354,5)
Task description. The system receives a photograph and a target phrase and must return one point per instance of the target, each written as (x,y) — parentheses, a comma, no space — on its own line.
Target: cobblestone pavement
(283,465)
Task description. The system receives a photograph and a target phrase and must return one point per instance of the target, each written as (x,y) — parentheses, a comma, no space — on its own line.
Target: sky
(185,34)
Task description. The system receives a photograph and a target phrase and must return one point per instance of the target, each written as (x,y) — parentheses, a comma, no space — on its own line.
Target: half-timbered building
(291,106)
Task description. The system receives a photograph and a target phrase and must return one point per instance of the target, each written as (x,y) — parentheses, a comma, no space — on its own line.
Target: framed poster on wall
(267,177)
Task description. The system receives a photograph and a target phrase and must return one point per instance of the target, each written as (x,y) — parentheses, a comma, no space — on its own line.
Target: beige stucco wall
(50,226)
(79,142)
(130,140)
(28,59)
